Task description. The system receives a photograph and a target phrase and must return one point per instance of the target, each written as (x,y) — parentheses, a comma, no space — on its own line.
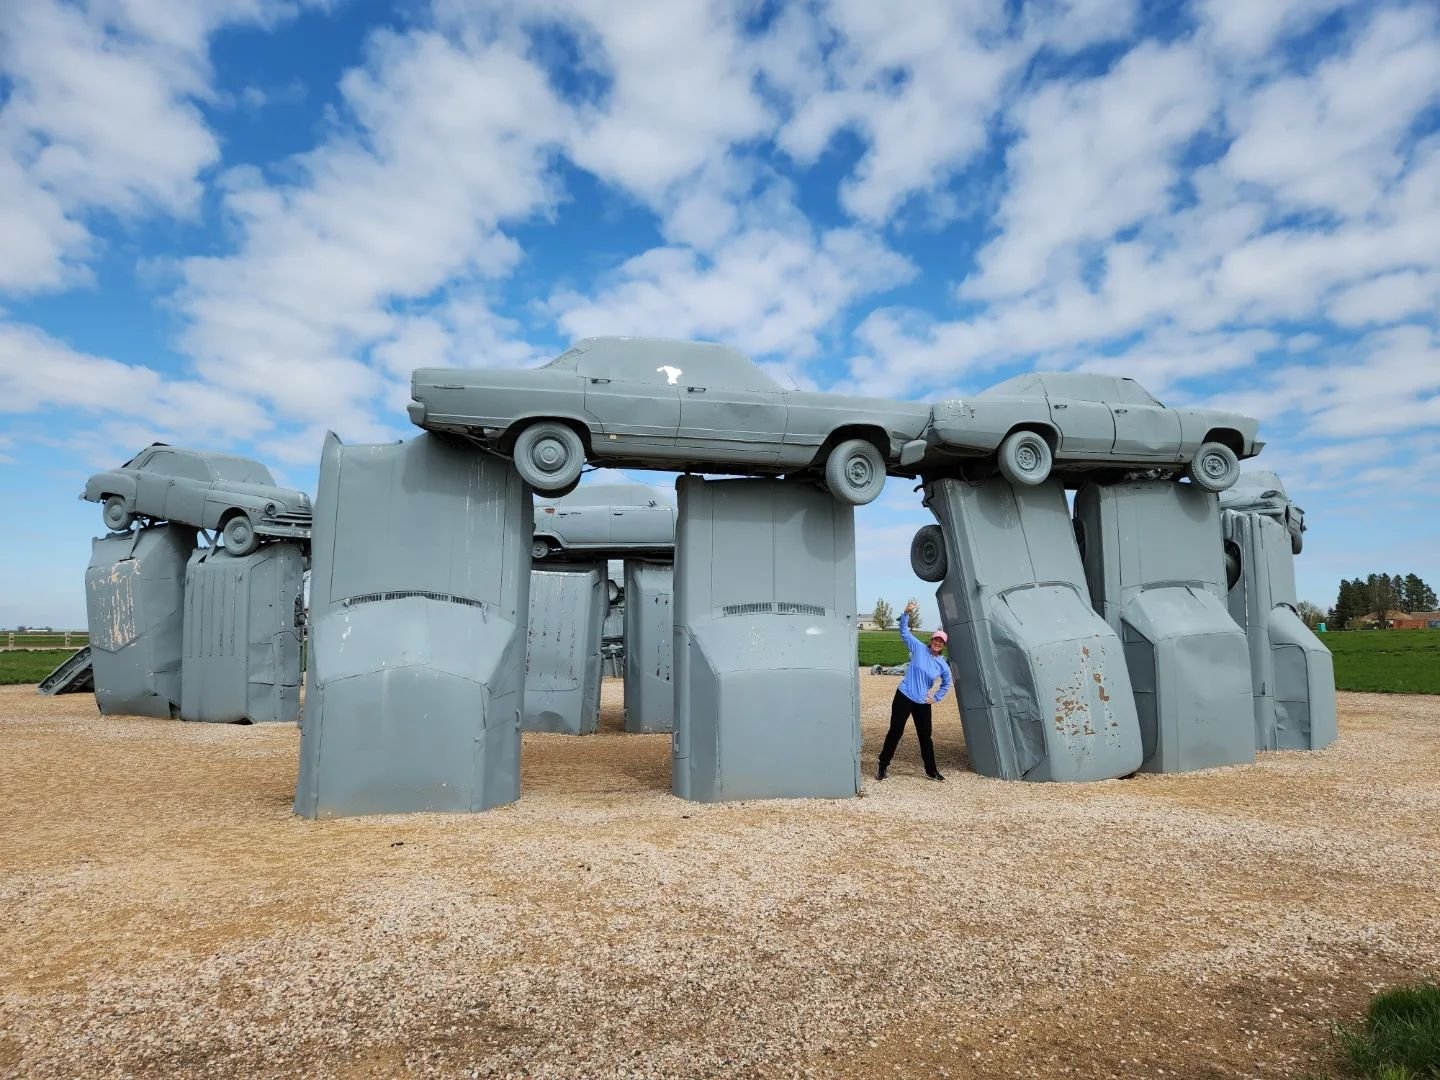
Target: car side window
(190,468)
(636,368)
(727,372)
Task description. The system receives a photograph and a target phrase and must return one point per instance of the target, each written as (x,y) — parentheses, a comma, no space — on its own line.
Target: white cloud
(1249,28)
(101,117)
(1331,140)
(448,141)
(763,290)
(1388,298)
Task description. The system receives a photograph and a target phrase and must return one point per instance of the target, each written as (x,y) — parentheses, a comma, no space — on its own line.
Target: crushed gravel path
(163,913)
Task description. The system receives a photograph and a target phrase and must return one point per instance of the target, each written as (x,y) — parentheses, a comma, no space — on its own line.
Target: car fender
(980,424)
(116,482)
(220,503)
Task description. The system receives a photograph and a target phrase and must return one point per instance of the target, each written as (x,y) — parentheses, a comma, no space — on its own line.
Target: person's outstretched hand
(912,609)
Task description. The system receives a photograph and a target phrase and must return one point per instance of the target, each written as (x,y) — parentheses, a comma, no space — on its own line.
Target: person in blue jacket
(913,697)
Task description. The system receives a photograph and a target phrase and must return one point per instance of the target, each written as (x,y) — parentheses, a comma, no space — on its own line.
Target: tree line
(1378,595)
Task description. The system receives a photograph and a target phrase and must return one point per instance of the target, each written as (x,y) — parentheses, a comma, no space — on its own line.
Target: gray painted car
(1080,423)
(677,405)
(208,491)
(1262,492)
(628,519)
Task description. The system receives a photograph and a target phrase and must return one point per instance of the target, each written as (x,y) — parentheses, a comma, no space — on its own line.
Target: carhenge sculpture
(183,629)
(1153,629)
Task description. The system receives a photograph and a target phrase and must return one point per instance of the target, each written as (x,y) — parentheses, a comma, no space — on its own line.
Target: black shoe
(935,776)
(881,771)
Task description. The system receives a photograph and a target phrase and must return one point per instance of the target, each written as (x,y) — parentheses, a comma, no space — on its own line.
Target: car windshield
(565,360)
(240,471)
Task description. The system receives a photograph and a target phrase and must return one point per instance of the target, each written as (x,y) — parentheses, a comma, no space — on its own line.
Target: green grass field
(1386,661)
(29,665)
(1379,661)
(42,641)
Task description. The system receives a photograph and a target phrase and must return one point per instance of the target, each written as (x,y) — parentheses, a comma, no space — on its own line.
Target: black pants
(901,709)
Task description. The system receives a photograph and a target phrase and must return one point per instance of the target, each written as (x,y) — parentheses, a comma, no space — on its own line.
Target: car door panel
(1087,428)
(1149,432)
(746,425)
(647,525)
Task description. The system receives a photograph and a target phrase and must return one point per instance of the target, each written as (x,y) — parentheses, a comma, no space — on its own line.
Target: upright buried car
(208,491)
(675,405)
(1077,423)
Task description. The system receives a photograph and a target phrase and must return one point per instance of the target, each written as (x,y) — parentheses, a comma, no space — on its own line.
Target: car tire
(539,549)
(1025,458)
(1297,543)
(117,517)
(855,472)
(1214,467)
(240,536)
(927,554)
(549,456)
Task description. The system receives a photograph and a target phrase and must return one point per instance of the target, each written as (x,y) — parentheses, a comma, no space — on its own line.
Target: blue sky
(237,224)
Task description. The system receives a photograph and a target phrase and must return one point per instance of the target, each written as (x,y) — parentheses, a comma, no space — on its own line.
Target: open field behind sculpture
(161,911)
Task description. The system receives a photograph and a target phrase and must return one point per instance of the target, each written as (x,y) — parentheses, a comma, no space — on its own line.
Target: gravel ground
(162,912)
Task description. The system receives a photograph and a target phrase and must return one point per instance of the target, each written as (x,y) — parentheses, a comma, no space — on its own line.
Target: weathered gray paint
(241,658)
(419,594)
(562,660)
(1153,557)
(1043,689)
(1293,674)
(766,685)
(649,642)
(134,601)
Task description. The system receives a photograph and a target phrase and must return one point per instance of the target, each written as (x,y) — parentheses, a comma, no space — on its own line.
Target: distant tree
(884,614)
(1312,615)
(1349,604)
(1381,598)
(1415,595)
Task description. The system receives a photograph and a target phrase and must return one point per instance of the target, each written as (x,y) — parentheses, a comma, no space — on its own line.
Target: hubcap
(1214,465)
(859,471)
(1027,458)
(550,454)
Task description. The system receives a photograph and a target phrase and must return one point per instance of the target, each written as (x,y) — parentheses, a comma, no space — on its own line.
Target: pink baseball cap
(940,636)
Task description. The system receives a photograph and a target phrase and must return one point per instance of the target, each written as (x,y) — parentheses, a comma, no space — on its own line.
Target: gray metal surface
(196,487)
(1292,673)
(562,660)
(649,643)
(1153,558)
(680,405)
(1260,491)
(134,604)
(1044,692)
(419,592)
(605,520)
(73,675)
(766,684)
(241,661)
(1090,422)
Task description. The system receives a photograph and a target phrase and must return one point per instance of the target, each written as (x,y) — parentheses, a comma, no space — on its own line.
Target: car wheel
(240,536)
(549,456)
(855,472)
(539,549)
(1025,458)
(1215,467)
(117,518)
(927,554)
(1297,542)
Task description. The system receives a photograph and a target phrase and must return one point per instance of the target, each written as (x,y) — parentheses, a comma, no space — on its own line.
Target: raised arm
(912,611)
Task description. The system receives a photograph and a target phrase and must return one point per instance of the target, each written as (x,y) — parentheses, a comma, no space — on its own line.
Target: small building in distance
(1415,620)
